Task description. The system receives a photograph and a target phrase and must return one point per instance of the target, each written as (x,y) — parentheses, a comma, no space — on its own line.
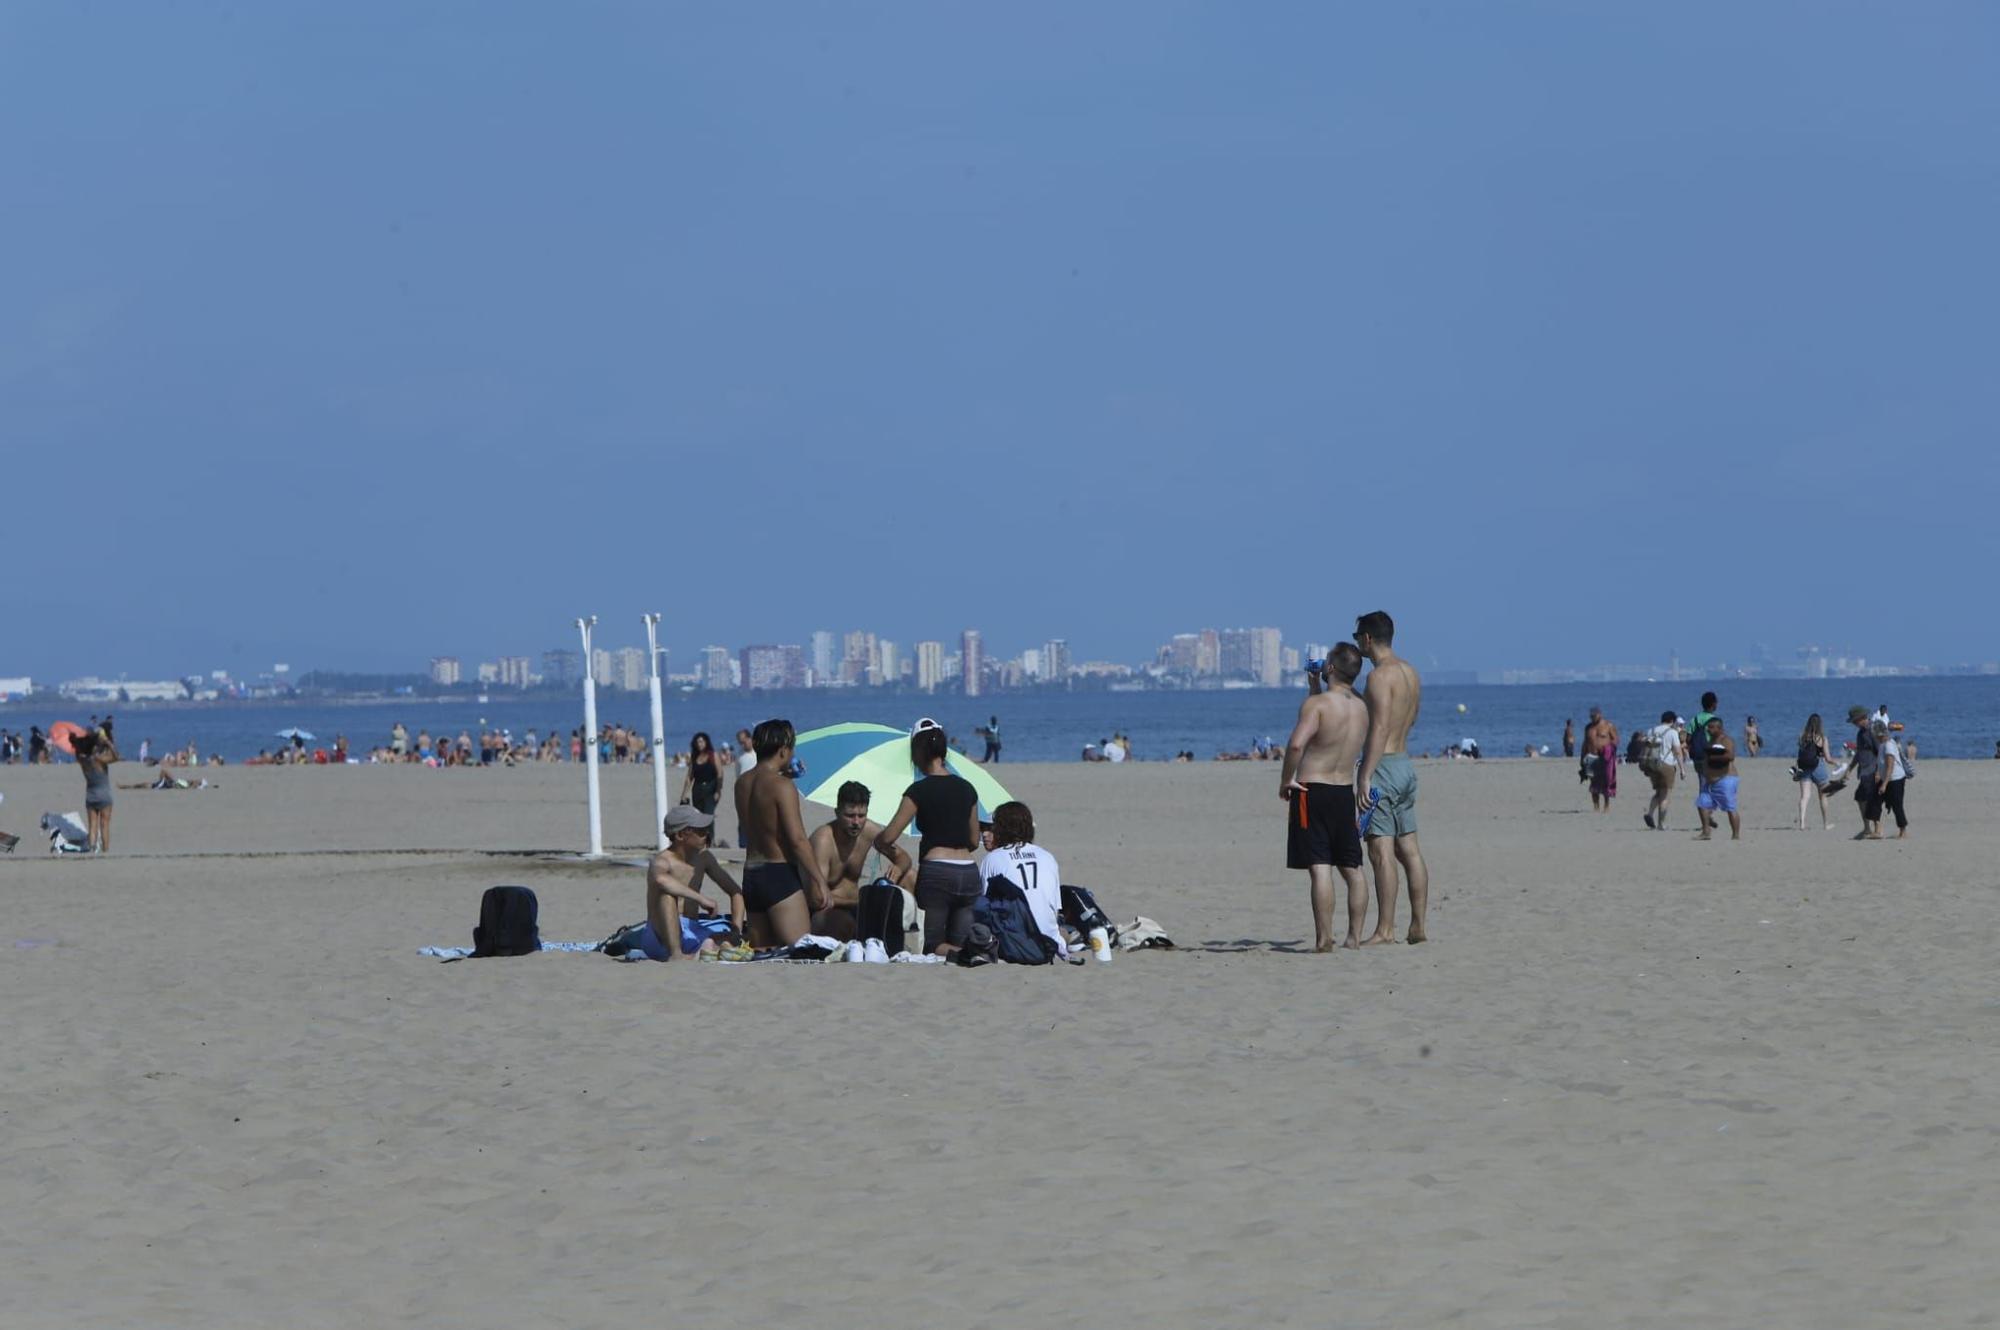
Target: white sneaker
(855,953)
(876,953)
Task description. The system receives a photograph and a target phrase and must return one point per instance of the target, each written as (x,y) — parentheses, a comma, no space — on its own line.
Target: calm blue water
(1957,717)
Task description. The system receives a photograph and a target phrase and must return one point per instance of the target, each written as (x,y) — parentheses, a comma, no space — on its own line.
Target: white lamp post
(585,627)
(659,731)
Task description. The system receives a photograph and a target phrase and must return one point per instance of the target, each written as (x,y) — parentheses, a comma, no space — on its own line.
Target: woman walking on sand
(1812,770)
(703,785)
(95,754)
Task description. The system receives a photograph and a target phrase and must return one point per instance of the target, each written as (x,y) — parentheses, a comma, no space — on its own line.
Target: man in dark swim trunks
(782,884)
(1317,785)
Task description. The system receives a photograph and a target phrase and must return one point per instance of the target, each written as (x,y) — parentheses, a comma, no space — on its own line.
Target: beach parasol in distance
(296,734)
(63,734)
(879,757)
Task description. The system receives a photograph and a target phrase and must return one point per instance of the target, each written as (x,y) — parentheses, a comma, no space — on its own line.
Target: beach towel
(465,953)
(1604,776)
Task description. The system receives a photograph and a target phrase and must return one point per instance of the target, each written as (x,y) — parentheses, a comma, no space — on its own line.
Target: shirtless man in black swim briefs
(1317,785)
(1395,695)
(782,884)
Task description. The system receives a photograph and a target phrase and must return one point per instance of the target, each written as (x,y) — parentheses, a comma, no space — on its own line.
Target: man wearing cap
(673,884)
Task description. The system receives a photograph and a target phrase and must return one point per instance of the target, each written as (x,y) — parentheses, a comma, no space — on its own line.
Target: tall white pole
(659,732)
(585,626)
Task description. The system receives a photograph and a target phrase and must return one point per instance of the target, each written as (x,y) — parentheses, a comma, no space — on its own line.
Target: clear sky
(349,334)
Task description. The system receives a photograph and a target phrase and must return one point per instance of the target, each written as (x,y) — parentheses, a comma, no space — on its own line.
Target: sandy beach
(1634,1080)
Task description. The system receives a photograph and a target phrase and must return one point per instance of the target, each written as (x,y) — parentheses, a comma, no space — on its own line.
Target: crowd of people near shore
(1880,761)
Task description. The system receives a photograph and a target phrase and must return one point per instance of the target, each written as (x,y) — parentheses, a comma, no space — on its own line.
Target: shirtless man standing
(841,849)
(782,884)
(1317,785)
(673,887)
(1395,694)
(1718,782)
(1600,740)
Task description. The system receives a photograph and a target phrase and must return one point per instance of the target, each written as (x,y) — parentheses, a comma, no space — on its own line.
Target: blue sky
(351,334)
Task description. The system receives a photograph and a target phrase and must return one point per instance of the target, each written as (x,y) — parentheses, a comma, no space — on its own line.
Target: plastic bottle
(1374,797)
(1100,946)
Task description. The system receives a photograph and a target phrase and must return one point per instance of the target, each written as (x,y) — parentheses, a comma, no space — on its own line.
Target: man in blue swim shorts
(673,884)
(1385,793)
(1718,782)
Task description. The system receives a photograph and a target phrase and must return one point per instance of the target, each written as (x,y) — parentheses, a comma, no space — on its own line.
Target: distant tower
(972,661)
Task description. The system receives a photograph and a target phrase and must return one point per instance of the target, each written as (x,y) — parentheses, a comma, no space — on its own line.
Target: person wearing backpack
(1664,761)
(1015,859)
(1812,770)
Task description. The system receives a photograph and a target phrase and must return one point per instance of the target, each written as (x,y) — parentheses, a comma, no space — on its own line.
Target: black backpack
(1004,910)
(878,914)
(507,923)
(1635,747)
(1808,755)
(1080,911)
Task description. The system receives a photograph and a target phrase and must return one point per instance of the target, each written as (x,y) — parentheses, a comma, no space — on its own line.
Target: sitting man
(845,851)
(673,889)
(783,886)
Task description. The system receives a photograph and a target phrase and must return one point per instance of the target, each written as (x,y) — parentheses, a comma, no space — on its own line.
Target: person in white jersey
(1016,857)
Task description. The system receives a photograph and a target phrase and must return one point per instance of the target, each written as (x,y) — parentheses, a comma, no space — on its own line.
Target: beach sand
(1634,1081)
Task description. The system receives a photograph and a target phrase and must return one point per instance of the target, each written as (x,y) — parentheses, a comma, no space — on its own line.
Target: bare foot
(1416,934)
(1379,938)
(1352,944)
(1321,948)
(1903,834)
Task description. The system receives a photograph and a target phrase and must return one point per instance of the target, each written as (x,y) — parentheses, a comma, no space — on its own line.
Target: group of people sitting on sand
(797,882)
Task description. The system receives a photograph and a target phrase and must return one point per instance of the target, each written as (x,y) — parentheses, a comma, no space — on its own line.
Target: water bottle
(1100,945)
(1374,795)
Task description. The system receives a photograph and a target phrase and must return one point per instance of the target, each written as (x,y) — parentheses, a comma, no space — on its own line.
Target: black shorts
(764,885)
(1322,829)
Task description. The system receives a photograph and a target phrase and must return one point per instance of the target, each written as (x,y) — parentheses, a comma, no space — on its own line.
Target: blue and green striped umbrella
(879,757)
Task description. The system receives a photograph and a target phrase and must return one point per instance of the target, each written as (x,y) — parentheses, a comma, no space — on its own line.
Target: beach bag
(1016,940)
(1081,911)
(980,946)
(878,915)
(507,923)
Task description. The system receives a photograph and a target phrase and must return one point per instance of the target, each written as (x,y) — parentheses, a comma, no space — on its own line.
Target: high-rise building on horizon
(1208,653)
(488,671)
(562,667)
(513,671)
(715,670)
(628,669)
(446,671)
(930,665)
(972,662)
(888,665)
(1055,660)
(769,666)
(825,666)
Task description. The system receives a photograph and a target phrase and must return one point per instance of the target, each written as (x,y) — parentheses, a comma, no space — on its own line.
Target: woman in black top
(945,808)
(703,786)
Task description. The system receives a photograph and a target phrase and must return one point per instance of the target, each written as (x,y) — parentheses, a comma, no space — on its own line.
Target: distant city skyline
(858,658)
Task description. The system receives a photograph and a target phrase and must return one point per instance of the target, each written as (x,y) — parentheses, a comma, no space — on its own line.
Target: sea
(1955,716)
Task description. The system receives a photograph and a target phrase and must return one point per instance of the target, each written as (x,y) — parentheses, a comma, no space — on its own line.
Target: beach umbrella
(296,734)
(64,733)
(879,757)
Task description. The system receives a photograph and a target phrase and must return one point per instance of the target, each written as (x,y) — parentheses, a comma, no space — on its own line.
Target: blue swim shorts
(1717,796)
